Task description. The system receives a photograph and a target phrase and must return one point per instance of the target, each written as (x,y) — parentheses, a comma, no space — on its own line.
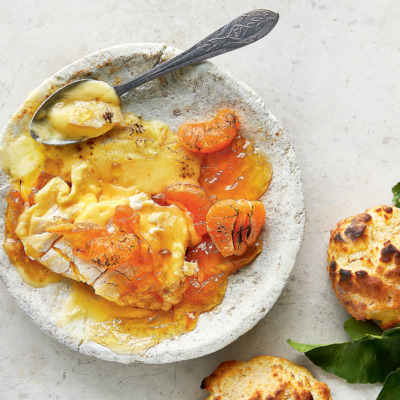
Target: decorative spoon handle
(240,32)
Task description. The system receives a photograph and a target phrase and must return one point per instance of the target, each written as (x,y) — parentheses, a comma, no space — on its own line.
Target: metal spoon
(240,32)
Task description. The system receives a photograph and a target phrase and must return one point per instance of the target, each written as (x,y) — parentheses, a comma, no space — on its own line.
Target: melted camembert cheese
(86,110)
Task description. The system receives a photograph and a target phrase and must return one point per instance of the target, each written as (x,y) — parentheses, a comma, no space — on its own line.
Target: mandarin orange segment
(191,198)
(236,172)
(256,221)
(110,252)
(230,224)
(220,220)
(210,136)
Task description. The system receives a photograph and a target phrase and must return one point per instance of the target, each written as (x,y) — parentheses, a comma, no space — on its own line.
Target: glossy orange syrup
(238,171)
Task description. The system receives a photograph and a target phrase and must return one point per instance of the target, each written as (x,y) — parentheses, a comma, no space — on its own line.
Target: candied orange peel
(210,136)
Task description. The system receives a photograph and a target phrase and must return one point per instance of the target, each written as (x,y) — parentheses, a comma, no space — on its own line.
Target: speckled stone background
(329,72)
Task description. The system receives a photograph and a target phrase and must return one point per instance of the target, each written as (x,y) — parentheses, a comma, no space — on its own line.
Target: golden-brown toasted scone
(264,377)
(364,265)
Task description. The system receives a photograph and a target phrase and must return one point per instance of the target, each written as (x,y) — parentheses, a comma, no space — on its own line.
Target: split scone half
(364,265)
(264,377)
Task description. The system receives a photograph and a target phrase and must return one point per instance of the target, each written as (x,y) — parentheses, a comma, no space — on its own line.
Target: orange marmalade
(84,212)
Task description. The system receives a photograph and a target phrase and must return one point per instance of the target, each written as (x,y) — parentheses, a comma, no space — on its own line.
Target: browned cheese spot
(388,252)
(361,274)
(339,238)
(357,226)
(345,275)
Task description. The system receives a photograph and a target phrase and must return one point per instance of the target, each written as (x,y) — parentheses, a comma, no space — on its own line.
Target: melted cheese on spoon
(85,111)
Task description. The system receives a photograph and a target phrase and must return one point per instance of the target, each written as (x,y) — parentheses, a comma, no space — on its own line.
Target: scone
(364,265)
(264,377)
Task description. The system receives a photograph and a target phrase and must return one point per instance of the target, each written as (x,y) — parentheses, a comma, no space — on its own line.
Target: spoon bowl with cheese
(77,112)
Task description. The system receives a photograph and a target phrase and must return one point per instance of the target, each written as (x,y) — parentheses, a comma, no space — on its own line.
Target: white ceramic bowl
(193,93)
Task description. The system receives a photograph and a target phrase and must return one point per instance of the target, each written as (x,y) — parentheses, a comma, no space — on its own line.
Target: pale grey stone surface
(329,72)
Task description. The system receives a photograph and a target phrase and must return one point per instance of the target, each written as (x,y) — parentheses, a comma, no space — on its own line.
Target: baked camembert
(123,217)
